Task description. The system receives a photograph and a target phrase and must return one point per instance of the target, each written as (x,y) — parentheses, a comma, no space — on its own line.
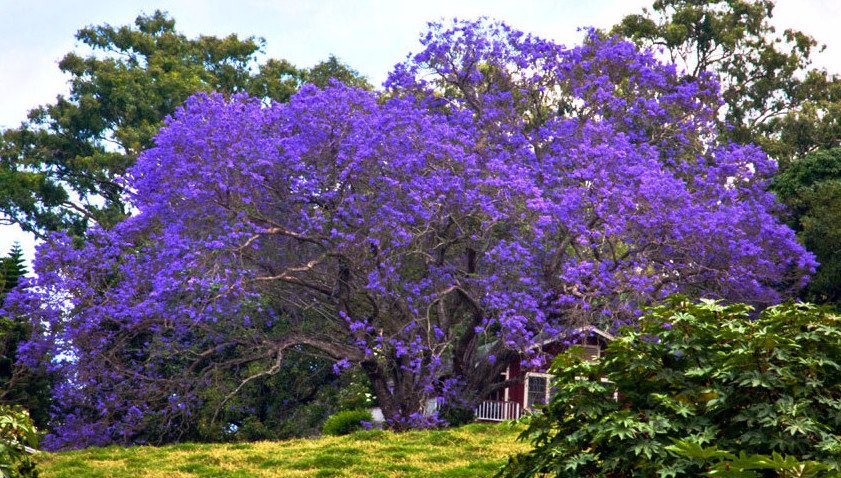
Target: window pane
(537,391)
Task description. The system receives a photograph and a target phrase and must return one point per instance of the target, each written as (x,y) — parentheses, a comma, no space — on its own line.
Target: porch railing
(497,411)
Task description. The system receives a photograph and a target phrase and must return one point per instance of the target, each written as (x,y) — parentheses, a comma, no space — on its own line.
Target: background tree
(58,168)
(13,268)
(503,189)
(322,73)
(772,96)
(811,188)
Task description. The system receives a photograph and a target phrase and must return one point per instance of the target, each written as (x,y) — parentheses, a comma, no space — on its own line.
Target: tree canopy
(59,168)
(772,95)
(811,188)
(500,190)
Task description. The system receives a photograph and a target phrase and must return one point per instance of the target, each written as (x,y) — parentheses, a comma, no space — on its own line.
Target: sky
(369,35)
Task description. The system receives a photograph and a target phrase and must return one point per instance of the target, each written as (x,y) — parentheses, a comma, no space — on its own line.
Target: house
(532,385)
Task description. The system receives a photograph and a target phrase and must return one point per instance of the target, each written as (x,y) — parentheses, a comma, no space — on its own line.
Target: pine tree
(19,385)
(14,267)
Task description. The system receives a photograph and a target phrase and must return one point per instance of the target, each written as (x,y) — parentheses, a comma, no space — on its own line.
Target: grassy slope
(471,451)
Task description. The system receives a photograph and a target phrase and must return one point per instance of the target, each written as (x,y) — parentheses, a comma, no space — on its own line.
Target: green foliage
(725,464)
(12,269)
(294,402)
(333,69)
(703,374)
(773,97)
(355,391)
(811,188)
(119,96)
(457,416)
(253,429)
(58,168)
(346,421)
(18,439)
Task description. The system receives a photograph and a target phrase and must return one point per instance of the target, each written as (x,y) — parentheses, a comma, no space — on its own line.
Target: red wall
(516,392)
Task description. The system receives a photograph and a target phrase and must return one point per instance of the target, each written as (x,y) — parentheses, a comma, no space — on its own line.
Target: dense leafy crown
(695,384)
(58,168)
(811,188)
(500,188)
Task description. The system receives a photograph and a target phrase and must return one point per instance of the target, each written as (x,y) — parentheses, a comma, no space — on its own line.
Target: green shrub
(730,465)
(18,438)
(703,374)
(457,416)
(346,421)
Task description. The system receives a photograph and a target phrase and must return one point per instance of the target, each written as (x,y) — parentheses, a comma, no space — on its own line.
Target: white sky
(369,35)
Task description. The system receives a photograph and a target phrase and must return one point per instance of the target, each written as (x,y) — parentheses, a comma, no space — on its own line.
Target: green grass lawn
(471,451)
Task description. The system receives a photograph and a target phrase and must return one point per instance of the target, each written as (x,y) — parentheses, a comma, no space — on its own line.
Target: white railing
(496,411)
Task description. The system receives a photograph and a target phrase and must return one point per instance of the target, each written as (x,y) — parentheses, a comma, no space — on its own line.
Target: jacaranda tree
(500,188)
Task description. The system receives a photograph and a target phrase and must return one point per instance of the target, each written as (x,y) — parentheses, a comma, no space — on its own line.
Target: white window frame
(507,375)
(548,378)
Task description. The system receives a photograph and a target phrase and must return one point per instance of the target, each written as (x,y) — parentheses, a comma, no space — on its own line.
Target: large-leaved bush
(18,439)
(695,373)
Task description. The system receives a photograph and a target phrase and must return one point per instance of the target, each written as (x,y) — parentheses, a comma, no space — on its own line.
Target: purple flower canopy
(500,188)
